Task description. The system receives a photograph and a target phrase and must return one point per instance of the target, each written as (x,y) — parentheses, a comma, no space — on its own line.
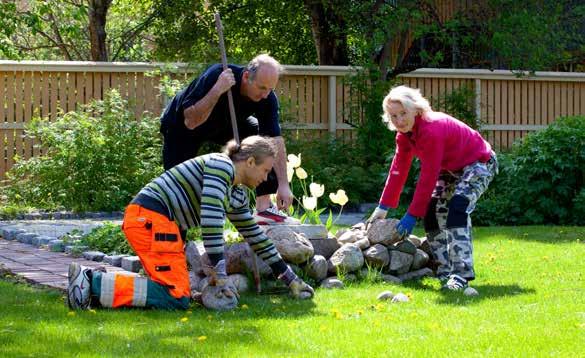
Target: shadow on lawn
(488,291)
(485,292)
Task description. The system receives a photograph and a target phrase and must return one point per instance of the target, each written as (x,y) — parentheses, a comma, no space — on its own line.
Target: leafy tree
(185,31)
(98,30)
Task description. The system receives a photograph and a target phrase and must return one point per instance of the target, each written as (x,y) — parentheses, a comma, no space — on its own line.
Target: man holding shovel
(199,114)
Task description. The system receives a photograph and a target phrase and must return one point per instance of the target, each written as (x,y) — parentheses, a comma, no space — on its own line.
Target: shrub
(109,239)
(543,180)
(94,159)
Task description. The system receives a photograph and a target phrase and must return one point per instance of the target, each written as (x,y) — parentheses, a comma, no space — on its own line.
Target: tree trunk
(98,10)
(328,33)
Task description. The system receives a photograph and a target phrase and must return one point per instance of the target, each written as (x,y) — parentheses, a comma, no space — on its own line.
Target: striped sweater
(200,192)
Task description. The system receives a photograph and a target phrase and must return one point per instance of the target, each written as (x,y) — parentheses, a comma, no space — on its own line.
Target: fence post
(478,103)
(332,108)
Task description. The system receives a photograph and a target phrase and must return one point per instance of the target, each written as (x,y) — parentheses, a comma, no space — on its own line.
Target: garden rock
(324,247)
(400,297)
(351,236)
(377,256)
(405,246)
(240,282)
(193,257)
(131,263)
(332,282)
(292,246)
(114,260)
(384,296)
(239,258)
(12,234)
(391,279)
(56,246)
(309,231)
(341,232)
(471,292)
(400,262)
(317,268)
(26,237)
(420,260)
(363,243)
(217,298)
(97,256)
(415,240)
(415,275)
(383,231)
(348,258)
(195,281)
(40,240)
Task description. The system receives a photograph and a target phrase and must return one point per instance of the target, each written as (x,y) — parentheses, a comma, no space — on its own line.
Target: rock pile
(328,259)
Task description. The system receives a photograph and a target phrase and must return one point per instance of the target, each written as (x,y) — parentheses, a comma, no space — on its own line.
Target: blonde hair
(261,61)
(410,98)
(254,146)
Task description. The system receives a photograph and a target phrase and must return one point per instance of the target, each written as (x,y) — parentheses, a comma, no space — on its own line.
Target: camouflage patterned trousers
(447,221)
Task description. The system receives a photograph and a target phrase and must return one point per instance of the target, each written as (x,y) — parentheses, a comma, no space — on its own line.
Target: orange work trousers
(157,242)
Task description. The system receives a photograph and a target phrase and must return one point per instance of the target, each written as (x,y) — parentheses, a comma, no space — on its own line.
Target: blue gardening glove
(405,226)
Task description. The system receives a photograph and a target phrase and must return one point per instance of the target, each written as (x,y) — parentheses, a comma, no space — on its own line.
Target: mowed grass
(531,303)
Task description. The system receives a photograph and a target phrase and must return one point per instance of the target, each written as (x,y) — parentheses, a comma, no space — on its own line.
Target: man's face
(255,174)
(265,81)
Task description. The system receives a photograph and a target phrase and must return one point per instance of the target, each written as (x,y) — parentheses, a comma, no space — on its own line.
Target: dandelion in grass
(184,319)
(92,311)
(71,313)
(201,338)
(244,306)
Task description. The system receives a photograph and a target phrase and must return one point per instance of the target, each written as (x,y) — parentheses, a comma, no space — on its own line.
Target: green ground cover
(531,303)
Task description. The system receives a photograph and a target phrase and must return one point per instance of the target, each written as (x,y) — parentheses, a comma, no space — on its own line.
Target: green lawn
(531,303)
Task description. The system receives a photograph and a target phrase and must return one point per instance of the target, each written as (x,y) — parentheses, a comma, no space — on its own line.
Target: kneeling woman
(199,192)
(456,167)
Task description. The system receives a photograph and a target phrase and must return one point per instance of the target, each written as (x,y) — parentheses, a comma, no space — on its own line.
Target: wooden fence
(316,100)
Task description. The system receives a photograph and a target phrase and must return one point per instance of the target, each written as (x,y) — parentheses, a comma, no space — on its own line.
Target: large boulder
(348,258)
(238,258)
(310,231)
(400,262)
(292,246)
(383,232)
(324,247)
(377,256)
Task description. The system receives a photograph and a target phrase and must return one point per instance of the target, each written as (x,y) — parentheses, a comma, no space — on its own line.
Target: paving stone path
(38,265)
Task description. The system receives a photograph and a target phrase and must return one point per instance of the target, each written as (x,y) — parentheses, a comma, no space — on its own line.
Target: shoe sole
(74,271)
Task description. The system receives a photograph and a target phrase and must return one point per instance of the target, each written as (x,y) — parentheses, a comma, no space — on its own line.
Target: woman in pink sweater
(456,167)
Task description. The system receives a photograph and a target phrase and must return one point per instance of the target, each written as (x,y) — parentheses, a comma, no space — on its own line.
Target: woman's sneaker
(79,289)
(273,216)
(455,283)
